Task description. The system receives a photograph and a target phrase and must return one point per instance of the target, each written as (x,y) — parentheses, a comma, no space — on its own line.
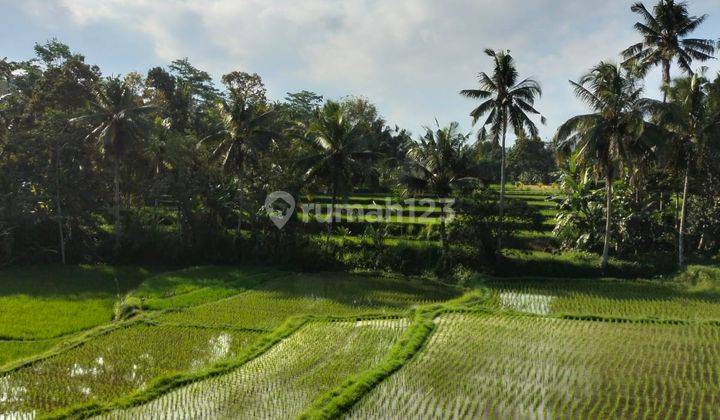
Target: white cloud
(410,56)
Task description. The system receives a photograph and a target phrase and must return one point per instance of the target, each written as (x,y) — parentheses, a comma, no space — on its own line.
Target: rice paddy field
(260,342)
(408,218)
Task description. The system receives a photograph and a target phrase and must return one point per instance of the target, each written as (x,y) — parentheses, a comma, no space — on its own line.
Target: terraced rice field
(478,366)
(604,298)
(257,342)
(415,216)
(115,364)
(14,350)
(277,386)
(268,305)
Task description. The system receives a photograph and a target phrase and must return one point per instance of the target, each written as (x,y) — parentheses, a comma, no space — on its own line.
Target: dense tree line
(646,154)
(93,167)
(96,167)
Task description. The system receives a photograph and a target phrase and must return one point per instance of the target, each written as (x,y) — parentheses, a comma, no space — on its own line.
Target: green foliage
(127,307)
(476,223)
(338,149)
(195,164)
(531,161)
(580,210)
(665,34)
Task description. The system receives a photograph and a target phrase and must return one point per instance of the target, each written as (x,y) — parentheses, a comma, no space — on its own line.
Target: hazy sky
(410,57)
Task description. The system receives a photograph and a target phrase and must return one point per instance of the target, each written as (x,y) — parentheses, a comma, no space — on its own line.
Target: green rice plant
(605,298)
(339,399)
(53,301)
(115,364)
(576,264)
(479,366)
(266,306)
(283,381)
(197,285)
(14,350)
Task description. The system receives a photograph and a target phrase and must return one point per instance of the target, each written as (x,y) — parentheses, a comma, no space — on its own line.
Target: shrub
(127,307)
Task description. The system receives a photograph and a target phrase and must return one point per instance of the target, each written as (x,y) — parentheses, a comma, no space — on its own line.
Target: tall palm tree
(603,138)
(664,34)
(118,118)
(691,119)
(338,149)
(440,162)
(245,129)
(507,103)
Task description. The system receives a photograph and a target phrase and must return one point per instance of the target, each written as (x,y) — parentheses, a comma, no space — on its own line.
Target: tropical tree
(246,128)
(665,38)
(338,148)
(531,161)
(118,119)
(691,119)
(578,223)
(440,162)
(602,139)
(507,103)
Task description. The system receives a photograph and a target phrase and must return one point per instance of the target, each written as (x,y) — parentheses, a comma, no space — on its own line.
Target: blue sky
(410,57)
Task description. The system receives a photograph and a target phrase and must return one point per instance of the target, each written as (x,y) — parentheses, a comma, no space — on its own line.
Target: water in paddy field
(527,302)
(80,377)
(17,415)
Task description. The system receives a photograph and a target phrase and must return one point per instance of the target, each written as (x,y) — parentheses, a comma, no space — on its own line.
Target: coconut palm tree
(440,162)
(118,118)
(507,103)
(603,137)
(664,34)
(245,129)
(690,117)
(338,149)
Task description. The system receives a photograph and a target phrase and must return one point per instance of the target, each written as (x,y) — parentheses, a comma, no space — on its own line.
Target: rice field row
(486,366)
(52,301)
(604,299)
(473,365)
(267,306)
(113,365)
(197,285)
(15,350)
(284,381)
(394,209)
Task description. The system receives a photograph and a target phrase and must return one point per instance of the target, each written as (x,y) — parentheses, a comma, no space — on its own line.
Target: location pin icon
(280,217)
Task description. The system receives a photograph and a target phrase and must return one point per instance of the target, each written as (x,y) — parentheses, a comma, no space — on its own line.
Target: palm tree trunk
(683,217)
(665,78)
(116,210)
(443,234)
(333,200)
(240,198)
(666,82)
(608,217)
(502,188)
(58,205)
